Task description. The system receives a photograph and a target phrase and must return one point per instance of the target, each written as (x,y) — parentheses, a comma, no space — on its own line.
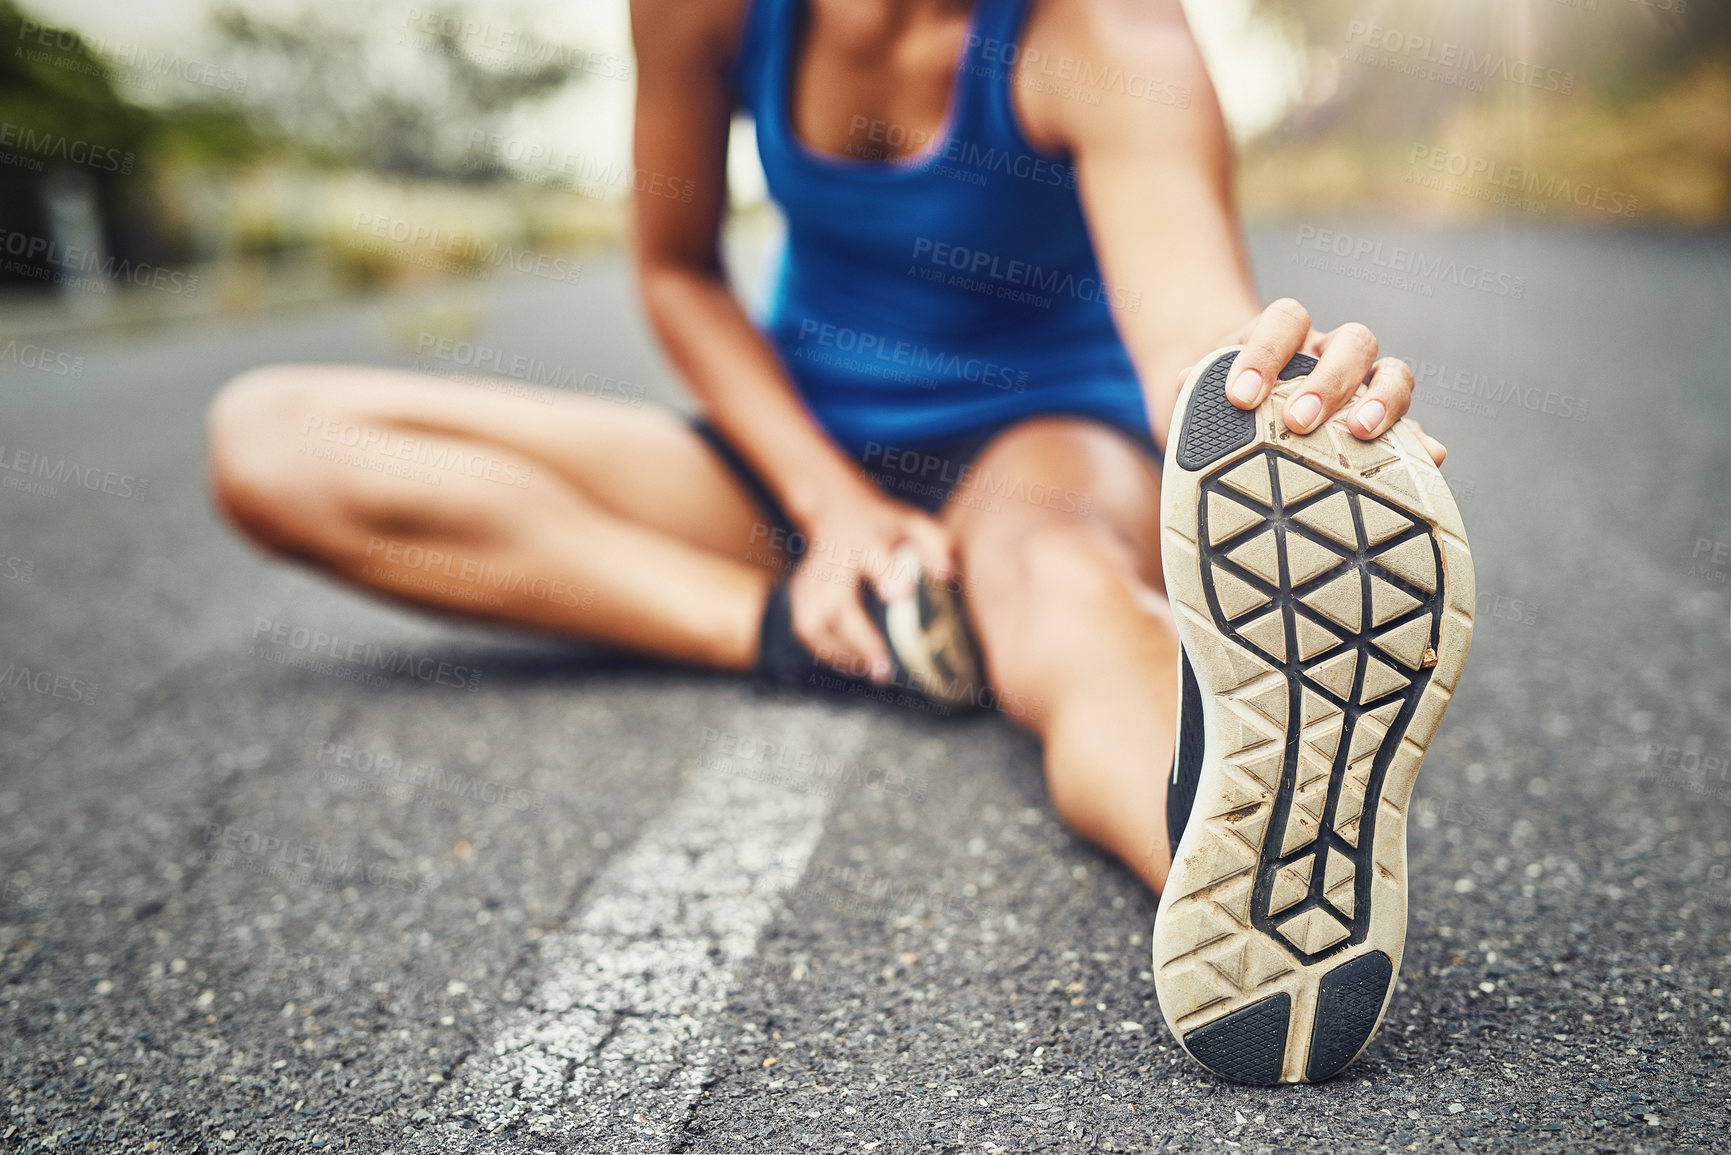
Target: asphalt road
(261,894)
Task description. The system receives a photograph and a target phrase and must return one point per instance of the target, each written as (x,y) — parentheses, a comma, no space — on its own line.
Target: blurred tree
(66,130)
(354,84)
(51,82)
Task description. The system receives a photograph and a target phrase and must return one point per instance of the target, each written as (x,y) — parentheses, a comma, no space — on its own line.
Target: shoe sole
(1324,593)
(929,634)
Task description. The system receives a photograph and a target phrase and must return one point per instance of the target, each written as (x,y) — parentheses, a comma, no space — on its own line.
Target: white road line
(618,1040)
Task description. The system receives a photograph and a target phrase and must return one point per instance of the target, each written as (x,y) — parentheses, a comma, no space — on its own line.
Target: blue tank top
(940,297)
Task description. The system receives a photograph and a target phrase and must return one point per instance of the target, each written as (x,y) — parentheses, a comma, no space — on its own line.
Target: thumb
(934,548)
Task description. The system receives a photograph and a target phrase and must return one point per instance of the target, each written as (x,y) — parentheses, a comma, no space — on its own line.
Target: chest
(873,83)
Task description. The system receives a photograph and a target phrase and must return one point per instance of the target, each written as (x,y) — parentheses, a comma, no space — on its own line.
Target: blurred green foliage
(51,82)
(350,84)
(62,89)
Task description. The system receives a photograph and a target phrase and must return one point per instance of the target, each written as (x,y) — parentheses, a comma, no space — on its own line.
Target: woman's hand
(852,539)
(1347,371)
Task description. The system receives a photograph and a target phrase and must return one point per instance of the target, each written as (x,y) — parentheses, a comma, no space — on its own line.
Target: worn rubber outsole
(1324,593)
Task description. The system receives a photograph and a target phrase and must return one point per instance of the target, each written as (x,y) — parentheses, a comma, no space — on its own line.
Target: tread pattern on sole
(1347,621)
(1248,1045)
(1348,1003)
(1213,425)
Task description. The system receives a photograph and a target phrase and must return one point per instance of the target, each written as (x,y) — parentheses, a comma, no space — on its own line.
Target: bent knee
(252,424)
(1054,563)
(1041,592)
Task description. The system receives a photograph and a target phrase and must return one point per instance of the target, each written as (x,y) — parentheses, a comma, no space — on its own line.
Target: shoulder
(1089,64)
(1124,30)
(689,29)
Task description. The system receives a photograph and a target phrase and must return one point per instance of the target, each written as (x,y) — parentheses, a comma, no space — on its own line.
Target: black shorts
(923,477)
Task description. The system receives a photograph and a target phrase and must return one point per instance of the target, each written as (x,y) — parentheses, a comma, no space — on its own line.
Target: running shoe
(931,643)
(1324,596)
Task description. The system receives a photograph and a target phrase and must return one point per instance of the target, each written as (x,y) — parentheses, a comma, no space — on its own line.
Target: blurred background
(230,157)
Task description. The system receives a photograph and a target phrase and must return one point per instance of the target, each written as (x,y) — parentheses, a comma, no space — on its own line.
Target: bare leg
(1073,620)
(582,517)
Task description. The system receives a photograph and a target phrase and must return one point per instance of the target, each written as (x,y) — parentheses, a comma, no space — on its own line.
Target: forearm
(1191,287)
(1179,332)
(1170,244)
(1156,185)
(745,390)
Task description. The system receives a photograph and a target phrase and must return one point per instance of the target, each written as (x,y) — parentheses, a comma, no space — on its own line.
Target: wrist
(816,494)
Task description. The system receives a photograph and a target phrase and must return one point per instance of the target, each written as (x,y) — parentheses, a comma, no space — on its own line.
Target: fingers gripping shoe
(1324,597)
(930,640)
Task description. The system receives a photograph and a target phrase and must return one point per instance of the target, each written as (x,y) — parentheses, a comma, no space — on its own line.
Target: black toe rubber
(1248,1045)
(1348,1004)
(1214,426)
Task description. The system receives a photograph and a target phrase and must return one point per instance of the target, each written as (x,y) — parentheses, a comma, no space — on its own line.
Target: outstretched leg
(578,516)
(1059,529)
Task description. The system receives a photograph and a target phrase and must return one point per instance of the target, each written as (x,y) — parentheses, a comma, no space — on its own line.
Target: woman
(1010,235)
